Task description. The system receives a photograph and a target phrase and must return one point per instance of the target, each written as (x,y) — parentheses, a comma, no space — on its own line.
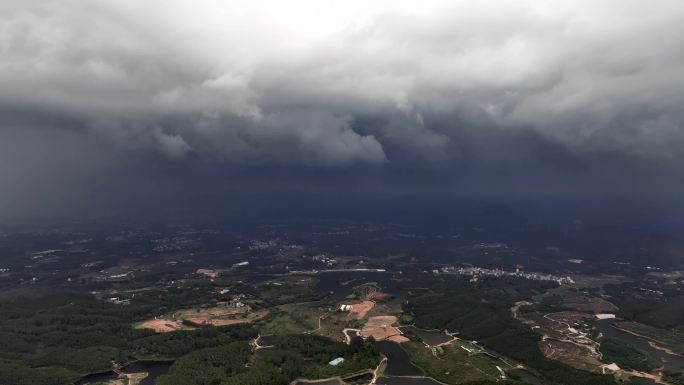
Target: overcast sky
(106,105)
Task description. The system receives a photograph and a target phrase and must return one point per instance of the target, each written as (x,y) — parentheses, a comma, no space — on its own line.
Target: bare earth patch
(222,316)
(212,313)
(136,378)
(217,322)
(216,316)
(161,325)
(380,328)
(398,339)
(129,379)
(359,310)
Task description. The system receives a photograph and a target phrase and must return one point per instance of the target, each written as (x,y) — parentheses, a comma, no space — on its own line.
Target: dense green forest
(664,311)
(627,356)
(489,322)
(208,366)
(17,374)
(293,356)
(52,338)
(674,378)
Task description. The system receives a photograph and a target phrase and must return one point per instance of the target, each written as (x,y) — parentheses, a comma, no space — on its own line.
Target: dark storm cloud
(479,96)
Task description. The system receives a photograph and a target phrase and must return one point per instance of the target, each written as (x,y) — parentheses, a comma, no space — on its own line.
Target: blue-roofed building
(336,361)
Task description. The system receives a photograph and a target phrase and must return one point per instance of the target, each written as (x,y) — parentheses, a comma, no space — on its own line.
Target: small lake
(351,333)
(153,368)
(398,362)
(260,353)
(267,340)
(670,361)
(431,337)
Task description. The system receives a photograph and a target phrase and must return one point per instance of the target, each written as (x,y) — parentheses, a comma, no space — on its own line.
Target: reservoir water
(267,340)
(153,368)
(398,362)
(670,361)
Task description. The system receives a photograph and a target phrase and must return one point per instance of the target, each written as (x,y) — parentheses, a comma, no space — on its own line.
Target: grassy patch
(627,356)
(672,339)
(455,365)
(292,318)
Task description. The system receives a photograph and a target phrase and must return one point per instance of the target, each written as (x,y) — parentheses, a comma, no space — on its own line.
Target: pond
(267,340)
(153,368)
(261,353)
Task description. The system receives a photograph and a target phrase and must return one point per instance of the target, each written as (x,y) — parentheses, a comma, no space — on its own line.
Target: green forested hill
(293,356)
(490,323)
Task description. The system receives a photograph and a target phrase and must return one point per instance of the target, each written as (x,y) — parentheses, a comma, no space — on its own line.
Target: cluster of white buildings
(476,272)
(236,301)
(118,301)
(603,316)
(324,259)
(263,245)
(168,244)
(92,264)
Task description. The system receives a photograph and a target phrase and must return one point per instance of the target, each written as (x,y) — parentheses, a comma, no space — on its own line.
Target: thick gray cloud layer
(405,86)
